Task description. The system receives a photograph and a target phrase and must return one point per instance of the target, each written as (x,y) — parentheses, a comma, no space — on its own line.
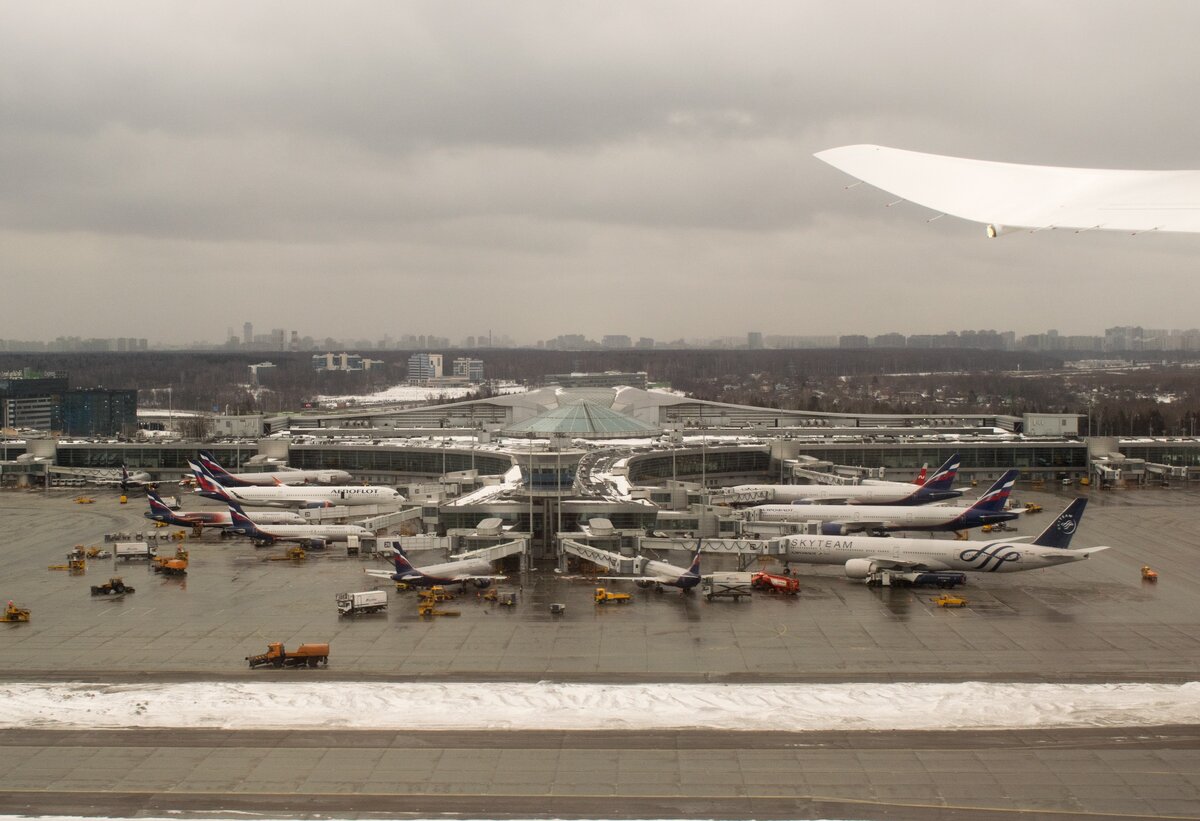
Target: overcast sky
(170,170)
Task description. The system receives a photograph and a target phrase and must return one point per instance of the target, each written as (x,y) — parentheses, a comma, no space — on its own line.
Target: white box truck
(133,551)
(367,601)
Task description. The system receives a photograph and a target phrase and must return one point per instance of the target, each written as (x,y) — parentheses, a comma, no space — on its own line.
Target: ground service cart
(306,655)
(726,585)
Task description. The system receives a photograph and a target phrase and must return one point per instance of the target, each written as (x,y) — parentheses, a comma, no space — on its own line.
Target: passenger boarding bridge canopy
(585,420)
(1007,196)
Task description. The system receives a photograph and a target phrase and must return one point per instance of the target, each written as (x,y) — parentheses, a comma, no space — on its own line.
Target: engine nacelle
(644,583)
(482,583)
(315,505)
(833,529)
(316,544)
(859,568)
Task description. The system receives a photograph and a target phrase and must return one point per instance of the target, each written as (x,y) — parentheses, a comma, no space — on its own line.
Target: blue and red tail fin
(219,474)
(694,570)
(207,486)
(995,497)
(1060,531)
(241,523)
(403,566)
(158,509)
(943,478)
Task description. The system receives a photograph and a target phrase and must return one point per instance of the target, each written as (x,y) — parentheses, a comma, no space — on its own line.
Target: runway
(917,775)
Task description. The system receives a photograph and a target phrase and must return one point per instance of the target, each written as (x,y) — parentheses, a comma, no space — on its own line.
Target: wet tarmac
(1090,621)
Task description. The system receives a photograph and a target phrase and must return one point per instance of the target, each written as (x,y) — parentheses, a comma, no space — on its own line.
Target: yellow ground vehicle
(84,500)
(604,596)
(947,600)
(13,614)
(1031,507)
(1149,575)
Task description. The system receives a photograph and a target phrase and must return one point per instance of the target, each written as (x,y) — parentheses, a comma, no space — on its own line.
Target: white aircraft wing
(1005,196)
(892,563)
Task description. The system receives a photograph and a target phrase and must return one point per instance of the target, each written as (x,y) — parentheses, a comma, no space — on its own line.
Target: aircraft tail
(208,487)
(158,508)
(920,480)
(404,568)
(1060,531)
(213,468)
(694,570)
(943,478)
(995,497)
(241,523)
(124,478)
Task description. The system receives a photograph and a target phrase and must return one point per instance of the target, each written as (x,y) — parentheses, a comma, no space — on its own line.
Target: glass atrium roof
(586,420)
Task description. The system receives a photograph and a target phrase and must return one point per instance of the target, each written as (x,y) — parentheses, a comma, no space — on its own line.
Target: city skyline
(1117,338)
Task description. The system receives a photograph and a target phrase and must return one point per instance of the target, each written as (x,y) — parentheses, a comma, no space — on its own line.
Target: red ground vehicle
(775,584)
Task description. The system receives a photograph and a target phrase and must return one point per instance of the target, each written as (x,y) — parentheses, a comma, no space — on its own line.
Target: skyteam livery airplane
(864,555)
(838,520)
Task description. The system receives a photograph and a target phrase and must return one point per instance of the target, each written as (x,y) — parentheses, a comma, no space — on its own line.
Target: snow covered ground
(411,393)
(548,705)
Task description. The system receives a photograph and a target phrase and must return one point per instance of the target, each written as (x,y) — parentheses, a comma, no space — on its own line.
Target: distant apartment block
(467,368)
(31,399)
(607,379)
(423,367)
(99,412)
(343,362)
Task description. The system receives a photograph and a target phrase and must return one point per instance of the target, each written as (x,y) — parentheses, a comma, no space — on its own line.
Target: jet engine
(482,583)
(859,568)
(315,505)
(316,544)
(833,529)
(644,583)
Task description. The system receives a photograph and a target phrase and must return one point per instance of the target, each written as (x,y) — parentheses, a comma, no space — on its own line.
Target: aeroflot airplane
(309,534)
(864,555)
(936,489)
(838,520)
(159,512)
(658,574)
(294,495)
(269,478)
(463,571)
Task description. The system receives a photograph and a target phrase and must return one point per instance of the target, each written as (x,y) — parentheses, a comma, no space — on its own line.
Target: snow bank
(546,705)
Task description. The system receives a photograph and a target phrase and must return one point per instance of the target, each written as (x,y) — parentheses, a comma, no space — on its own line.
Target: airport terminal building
(548,461)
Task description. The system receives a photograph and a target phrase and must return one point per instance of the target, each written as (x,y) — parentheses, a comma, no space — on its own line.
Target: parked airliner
(462,572)
(269,478)
(864,555)
(294,495)
(936,489)
(314,535)
(160,512)
(659,574)
(838,520)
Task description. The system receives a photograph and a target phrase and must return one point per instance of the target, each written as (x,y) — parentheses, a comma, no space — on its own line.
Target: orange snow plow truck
(305,655)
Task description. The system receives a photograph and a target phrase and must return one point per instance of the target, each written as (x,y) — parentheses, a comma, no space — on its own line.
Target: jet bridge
(517,547)
(747,551)
(624,565)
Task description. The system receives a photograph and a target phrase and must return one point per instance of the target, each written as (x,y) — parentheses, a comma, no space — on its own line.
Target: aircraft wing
(892,563)
(1006,196)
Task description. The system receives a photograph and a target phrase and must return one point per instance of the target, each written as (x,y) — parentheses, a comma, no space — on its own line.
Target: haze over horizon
(542,169)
